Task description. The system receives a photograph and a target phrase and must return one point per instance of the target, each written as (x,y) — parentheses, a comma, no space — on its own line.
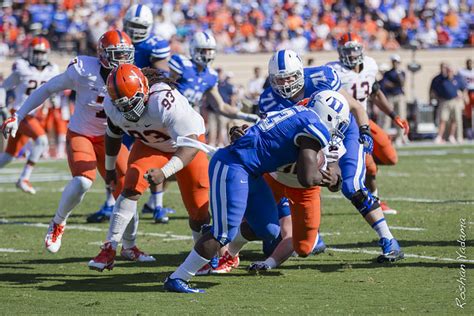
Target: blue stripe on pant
(235,194)
(352,164)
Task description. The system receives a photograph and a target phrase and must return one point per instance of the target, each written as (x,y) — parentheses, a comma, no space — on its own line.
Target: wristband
(110,162)
(393,115)
(174,165)
(364,129)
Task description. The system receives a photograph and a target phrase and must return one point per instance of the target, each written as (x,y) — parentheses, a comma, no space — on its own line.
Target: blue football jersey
(315,79)
(153,46)
(192,83)
(271,143)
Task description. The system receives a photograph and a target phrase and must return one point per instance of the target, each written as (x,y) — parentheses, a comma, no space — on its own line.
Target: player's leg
(82,163)
(14,146)
(61,129)
(104,213)
(229,191)
(384,154)
(123,224)
(352,166)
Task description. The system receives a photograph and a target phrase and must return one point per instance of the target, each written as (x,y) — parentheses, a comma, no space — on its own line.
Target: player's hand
(329,179)
(154,176)
(10,126)
(403,124)
(252,118)
(111,180)
(365,138)
(259,266)
(236,132)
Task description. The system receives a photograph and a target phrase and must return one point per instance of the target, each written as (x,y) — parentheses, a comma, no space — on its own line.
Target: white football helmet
(333,110)
(138,22)
(285,70)
(202,48)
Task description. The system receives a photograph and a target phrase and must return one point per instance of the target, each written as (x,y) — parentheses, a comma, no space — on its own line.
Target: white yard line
(12,250)
(408,199)
(417,229)
(407,255)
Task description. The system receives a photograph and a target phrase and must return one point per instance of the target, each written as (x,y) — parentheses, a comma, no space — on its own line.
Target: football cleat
(205,270)
(179,286)
(226,264)
(387,209)
(104,260)
(258,266)
(391,250)
(101,215)
(160,215)
(25,186)
(135,254)
(52,240)
(320,246)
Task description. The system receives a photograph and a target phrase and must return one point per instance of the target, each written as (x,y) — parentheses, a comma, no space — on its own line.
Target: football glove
(10,126)
(365,138)
(403,124)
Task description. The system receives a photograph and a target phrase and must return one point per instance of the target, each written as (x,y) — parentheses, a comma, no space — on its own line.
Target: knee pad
(82,183)
(364,201)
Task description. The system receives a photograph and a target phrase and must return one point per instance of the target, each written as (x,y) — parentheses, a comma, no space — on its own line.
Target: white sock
(124,210)
(5,159)
(155,199)
(71,196)
(271,262)
(382,229)
(40,144)
(196,236)
(26,173)
(236,245)
(109,197)
(189,267)
(130,234)
(61,146)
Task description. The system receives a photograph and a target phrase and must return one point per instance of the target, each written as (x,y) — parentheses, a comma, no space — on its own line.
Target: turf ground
(432,189)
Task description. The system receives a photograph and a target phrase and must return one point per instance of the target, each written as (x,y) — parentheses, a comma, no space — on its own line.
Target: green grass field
(433,192)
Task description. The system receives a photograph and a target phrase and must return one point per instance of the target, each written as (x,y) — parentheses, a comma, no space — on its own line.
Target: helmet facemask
(38,57)
(117,55)
(133,108)
(287,85)
(138,32)
(351,54)
(203,56)
(337,132)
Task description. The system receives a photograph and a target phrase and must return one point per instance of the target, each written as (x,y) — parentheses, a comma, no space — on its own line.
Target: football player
(196,79)
(86,75)
(27,75)
(150,51)
(290,83)
(358,76)
(238,189)
(155,113)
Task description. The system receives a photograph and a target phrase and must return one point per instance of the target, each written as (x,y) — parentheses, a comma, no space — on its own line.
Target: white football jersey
(167,115)
(358,84)
(468,76)
(25,78)
(89,117)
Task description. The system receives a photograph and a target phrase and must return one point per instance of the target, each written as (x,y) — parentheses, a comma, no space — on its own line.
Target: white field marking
(12,250)
(416,229)
(94,229)
(407,255)
(406,199)
(330,234)
(39,177)
(439,152)
(397,174)
(471,223)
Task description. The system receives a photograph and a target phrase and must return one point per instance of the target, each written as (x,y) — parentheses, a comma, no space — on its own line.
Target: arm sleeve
(11,82)
(318,132)
(56,84)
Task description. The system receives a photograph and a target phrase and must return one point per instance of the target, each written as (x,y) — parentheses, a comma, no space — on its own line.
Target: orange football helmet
(38,51)
(115,48)
(351,50)
(128,89)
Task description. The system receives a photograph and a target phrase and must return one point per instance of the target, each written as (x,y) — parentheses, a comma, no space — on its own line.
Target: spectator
(393,83)
(468,76)
(427,36)
(255,86)
(447,91)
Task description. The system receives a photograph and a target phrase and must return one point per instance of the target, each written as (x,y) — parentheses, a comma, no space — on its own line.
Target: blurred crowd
(247,26)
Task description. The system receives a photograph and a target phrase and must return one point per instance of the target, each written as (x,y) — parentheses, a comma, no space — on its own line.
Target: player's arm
(181,158)
(113,143)
(380,100)
(160,63)
(225,109)
(356,108)
(56,84)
